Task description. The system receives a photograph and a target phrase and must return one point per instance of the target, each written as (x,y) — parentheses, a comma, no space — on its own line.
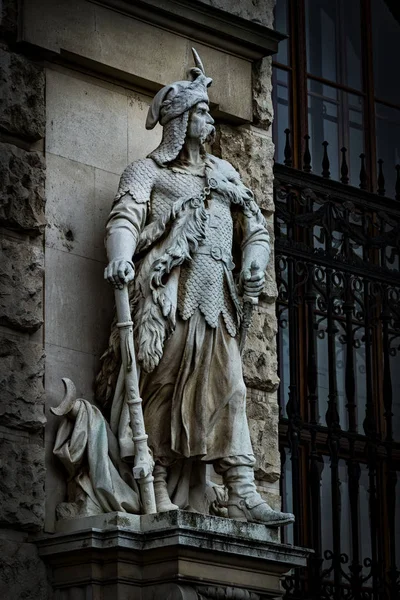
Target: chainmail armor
(203,280)
(202,283)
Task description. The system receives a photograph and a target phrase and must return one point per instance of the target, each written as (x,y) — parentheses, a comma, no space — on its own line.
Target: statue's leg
(244,502)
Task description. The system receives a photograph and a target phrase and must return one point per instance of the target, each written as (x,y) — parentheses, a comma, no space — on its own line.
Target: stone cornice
(206,24)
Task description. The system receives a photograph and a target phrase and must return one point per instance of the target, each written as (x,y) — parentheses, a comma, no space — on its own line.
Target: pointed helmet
(170,107)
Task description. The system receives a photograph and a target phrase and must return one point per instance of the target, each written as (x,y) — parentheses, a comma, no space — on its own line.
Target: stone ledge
(209,25)
(146,553)
(144,532)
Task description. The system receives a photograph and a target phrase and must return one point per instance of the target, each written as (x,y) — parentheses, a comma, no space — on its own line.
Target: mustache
(208,134)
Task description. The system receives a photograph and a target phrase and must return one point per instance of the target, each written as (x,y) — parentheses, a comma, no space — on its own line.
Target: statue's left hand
(119,272)
(252,280)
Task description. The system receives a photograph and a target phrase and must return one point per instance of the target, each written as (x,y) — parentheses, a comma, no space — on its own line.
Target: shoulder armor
(137,180)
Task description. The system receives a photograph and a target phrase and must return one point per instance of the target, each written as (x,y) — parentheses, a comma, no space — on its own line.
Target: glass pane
(335,116)
(388,143)
(345,514)
(386,48)
(323,115)
(288,494)
(281,24)
(322,369)
(334,41)
(341,357)
(364,523)
(361,377)
(284,373)
(326,510)
(355,141)
(395,373)
(280,81)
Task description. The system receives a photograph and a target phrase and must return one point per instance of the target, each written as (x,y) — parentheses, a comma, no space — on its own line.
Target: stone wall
(82,174)
(22,206)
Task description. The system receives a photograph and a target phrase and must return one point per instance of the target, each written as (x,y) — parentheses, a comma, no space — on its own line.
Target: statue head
(182,110)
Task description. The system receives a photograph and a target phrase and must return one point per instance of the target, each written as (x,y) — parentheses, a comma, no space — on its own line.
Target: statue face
(201,124)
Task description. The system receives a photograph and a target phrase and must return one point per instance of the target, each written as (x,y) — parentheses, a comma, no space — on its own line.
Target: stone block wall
(94,129)
(22,221)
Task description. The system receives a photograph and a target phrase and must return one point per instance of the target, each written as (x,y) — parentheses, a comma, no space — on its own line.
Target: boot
(246,504)
(163,501)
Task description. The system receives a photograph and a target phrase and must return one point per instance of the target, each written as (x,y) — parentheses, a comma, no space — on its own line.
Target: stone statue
(188,238)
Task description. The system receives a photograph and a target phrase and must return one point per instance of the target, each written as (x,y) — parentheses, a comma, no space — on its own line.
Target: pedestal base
(169,556)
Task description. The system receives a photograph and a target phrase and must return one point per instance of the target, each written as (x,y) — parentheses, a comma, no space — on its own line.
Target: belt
(217,253)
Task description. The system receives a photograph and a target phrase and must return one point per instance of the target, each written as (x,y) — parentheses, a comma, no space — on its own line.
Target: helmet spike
(197,61)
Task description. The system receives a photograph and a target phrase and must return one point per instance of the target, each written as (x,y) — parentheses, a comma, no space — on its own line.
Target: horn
(68,401)
(197,61)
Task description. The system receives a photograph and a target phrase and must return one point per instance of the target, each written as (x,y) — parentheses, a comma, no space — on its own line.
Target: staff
(143,463)
(249,303)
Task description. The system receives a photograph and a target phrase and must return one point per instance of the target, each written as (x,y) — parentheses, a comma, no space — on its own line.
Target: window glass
(345,514)
(326,510)
(388,143)
(288,494)
(322,368)
(323,115)
(334,41)
(386,48)
(335,116)
(395,374)
(284,372)
(360,376)
(355,143)
(321,19)
(364,523)
(281,24)
(280,82)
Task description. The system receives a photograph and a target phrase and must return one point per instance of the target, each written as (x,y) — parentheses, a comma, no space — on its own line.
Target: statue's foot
(256,510)
(163,501)
(166,506)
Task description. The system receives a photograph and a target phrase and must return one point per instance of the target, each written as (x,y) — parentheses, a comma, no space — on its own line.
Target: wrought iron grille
(338,273)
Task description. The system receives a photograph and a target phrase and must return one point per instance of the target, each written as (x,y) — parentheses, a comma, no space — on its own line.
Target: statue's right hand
(119,272)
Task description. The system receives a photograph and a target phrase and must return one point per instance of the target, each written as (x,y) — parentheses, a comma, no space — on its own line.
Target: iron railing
(338,273)
(324,168)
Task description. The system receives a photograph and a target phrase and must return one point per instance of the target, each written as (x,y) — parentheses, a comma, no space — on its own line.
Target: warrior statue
(188,237)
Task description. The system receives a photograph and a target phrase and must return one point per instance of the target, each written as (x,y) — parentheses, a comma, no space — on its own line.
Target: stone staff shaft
(143,464)
(249,303)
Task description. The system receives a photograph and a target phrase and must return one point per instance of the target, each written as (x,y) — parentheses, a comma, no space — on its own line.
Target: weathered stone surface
(21,382)
(259,357)
(21,285)
(22,572)
(22,473)
(263,110)
(263,416)
(260,11)
(22,109)
(8,18)
(22,196)
(251,151)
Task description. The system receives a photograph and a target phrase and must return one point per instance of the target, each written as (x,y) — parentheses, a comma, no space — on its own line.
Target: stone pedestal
(170,556)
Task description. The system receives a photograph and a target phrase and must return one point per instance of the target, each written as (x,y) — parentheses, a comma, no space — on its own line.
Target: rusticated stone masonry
(22,200)
(250,149)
